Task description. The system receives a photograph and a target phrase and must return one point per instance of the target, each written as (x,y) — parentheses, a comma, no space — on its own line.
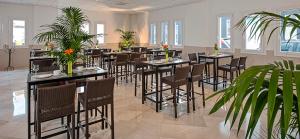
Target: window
(290,43)
(177,33)
(252,42)
(18,32)
(100,33)
(164,32)
(86,27)
(224,41)
(152,34)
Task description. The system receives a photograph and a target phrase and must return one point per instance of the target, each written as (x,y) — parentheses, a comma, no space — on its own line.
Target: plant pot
(70,67)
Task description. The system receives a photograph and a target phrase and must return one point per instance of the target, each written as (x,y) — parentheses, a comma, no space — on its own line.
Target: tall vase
(167,56)
(70,67)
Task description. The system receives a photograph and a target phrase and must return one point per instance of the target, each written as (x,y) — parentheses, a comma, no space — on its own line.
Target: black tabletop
(163,62)
(214,56)
(86,73)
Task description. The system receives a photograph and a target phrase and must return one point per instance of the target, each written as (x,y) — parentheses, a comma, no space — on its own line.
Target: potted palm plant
(67,34)
(127,38)
(274,87)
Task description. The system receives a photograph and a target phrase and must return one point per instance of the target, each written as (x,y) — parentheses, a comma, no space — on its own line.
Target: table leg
(217,77)
(156,93)
(143,86)
(28,111)
(214,79)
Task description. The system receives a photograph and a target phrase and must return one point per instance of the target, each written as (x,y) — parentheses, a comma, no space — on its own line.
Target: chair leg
(135,84)
(39,134)
(126,73)
(78,119)
(102,117)
(203,94)
(73,126)
(112,121)
(117,74)
(68,126)
(87,135)
(193,95)
(188,97)
(106,115)
(174,100)
(161,91)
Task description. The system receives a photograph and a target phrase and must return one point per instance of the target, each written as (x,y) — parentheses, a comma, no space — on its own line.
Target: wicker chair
(96,54)
(193,58)
(242,64)
(197,75)
(178,79)
(121,61)
(53,103)
(99,93)
(207,62)
(131,62)
(231,68)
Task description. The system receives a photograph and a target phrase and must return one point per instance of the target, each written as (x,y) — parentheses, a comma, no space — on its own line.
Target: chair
(232,67)
(197,75)
(208,63)
(53,103)
(99,93)
(121,61)
(138,69)
(242,64)
(178,79)
(96,54)
(136,49)
(133,56)
(45,65)
(193,58)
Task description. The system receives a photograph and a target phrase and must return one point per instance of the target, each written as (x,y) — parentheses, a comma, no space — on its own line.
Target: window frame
(11,28)
(231,49)
(261,51)
(182,32)
(96,38)
(277,50)
(89,24)
(161,32)
(150,34)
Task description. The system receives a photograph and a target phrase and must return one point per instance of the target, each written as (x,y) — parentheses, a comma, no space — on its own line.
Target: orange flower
(69,51)
(165,46)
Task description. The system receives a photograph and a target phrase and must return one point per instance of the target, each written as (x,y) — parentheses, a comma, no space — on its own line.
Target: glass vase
(167,56)
(70,67)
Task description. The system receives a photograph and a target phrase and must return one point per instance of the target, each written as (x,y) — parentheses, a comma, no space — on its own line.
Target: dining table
(156,64)
(216,58)
(34,79)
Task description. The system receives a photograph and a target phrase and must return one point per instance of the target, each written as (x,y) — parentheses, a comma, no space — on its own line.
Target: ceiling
(112,5)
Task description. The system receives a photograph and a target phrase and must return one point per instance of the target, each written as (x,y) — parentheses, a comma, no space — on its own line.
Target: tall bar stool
(96,54)
(193,58)
(53,103)
(197,75)
(99,93)
(180,78)
(121,62)
(231,68)
(242,64)
(207,62)
(131,63)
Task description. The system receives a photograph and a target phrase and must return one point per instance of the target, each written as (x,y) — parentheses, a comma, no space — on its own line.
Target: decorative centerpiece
(166,49)
(68,36)
(216,49)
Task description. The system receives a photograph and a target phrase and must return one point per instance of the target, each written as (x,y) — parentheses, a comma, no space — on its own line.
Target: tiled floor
(133,120)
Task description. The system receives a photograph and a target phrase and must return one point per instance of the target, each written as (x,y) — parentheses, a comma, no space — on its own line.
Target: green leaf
(291,64)
(271,98)
(297,82)
(287,98)
(286,64)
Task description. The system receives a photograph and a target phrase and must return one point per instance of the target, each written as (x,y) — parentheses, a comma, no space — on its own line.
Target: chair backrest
(234,62)
(45,65)
(144,49)
(99,92)
(56,101)
(134,56)
(122,57)
(138,62)
(202,59)
(171,53)
(96,52)
(182,73)
(198,69)
(242,61)
(192,56)
(136,49)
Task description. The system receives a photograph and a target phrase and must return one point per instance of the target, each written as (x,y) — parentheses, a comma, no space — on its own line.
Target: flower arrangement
(166,49)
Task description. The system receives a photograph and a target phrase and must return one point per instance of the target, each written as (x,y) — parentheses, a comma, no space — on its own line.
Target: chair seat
(146,71)
(170,80)
(193,62)
(196,78)
(227,68)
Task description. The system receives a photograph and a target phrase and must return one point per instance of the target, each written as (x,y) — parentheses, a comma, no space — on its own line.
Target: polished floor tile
(133,120)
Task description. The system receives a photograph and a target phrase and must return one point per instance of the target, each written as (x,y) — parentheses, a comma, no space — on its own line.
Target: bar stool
(197,75)
(231,68)
(99,93)
(242,64)
(53,103)
(193,58)
(96,54)
(207,62)
(180,78)
(131,63)
(120,62)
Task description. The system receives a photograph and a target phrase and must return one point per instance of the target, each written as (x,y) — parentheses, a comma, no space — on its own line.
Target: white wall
(36,16)
(200,19)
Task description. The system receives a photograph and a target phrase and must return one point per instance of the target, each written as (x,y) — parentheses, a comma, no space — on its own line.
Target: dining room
(157,69)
